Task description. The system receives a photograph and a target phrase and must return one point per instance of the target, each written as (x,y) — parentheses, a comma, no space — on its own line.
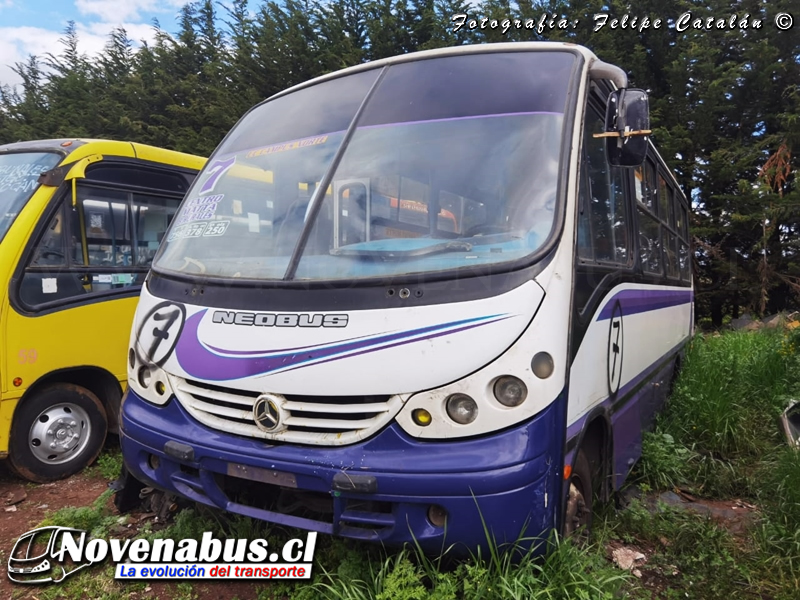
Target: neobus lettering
(278,320)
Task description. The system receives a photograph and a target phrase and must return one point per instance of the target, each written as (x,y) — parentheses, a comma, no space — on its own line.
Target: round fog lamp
(510,391)
(461,408)
(542,365)
(144,377)
(437,515)
(160,388)
(421,417)
(132,358)
(153,462)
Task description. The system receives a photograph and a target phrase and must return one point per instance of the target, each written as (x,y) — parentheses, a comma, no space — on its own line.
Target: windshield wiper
(450,246)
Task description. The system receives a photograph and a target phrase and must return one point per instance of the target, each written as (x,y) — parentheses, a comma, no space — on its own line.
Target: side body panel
(90,335)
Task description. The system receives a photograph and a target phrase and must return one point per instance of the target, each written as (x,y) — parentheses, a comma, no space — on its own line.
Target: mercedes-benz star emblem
(267,413)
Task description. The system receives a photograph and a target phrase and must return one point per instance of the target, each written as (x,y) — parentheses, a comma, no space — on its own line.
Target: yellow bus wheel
(56,432)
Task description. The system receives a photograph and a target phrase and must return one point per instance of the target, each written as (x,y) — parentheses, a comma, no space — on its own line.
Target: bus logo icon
(615,339)
(160,330)
(37,556)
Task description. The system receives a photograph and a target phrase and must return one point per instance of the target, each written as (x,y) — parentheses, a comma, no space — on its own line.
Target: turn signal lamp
(421,417)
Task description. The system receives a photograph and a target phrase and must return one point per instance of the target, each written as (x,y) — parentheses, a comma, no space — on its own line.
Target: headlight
(510,391)
(144,376)
(542,365)
(461,408)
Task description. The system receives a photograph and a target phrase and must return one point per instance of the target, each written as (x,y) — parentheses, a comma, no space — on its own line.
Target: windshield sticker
(196,230)
(215,172)
(199,209)
(190,230)
(20,178)
(216,228)
(291,145)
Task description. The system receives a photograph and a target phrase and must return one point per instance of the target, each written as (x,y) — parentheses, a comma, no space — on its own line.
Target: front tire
(56,432)
(578,513)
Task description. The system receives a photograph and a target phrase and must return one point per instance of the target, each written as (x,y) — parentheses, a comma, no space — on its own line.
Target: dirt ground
(24,505)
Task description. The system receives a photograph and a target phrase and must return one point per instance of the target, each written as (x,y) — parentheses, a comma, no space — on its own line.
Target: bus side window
(584,220)
(151,217)
(603,211)
(105,243)
(682,227)
(670,239)
(51,249)
(649,243)
(107,226)
(650,190)
(47,277)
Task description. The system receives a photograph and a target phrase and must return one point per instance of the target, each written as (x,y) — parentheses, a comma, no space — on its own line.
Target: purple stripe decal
(401,343)
(251,353)
(199,361)
(444,120)
(639,301)
(353,342)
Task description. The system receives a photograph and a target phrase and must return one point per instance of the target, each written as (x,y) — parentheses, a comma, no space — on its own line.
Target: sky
(35,26)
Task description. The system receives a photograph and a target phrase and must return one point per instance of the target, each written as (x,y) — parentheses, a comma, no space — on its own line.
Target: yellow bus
(80,221)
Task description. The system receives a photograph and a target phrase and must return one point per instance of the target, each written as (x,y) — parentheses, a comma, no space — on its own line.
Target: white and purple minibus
(415,298)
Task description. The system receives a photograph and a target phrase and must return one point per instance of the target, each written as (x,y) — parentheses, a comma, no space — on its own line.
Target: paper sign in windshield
(199,209)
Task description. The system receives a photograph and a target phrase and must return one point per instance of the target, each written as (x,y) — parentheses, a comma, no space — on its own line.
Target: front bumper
(379,490)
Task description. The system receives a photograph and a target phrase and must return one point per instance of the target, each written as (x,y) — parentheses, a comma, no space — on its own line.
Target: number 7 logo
(616,338)
(215,172)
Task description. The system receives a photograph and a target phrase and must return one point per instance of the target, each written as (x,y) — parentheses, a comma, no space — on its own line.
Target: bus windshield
(440,172)
(19,174)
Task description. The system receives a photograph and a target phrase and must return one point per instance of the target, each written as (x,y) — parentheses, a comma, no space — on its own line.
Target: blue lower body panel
(380,490)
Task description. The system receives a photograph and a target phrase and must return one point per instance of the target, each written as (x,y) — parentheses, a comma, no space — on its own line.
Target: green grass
(108,464)
(566,572)
(720,438)
(722,419)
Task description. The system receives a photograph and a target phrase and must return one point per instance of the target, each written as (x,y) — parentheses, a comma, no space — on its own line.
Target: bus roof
(74,149)
(587,54)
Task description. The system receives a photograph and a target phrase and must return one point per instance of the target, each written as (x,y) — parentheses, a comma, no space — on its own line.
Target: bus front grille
(319,420)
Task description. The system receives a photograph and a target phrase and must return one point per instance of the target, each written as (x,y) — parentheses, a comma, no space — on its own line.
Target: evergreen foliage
(725,102)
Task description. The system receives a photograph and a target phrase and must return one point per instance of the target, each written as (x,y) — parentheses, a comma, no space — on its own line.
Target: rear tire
(676,371)
(578,513)
(56,432)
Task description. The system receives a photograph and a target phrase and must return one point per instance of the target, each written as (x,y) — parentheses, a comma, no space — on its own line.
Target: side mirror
(627,127)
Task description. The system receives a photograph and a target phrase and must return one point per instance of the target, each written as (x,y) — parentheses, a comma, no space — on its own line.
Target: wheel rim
(577,516)
(60,433)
